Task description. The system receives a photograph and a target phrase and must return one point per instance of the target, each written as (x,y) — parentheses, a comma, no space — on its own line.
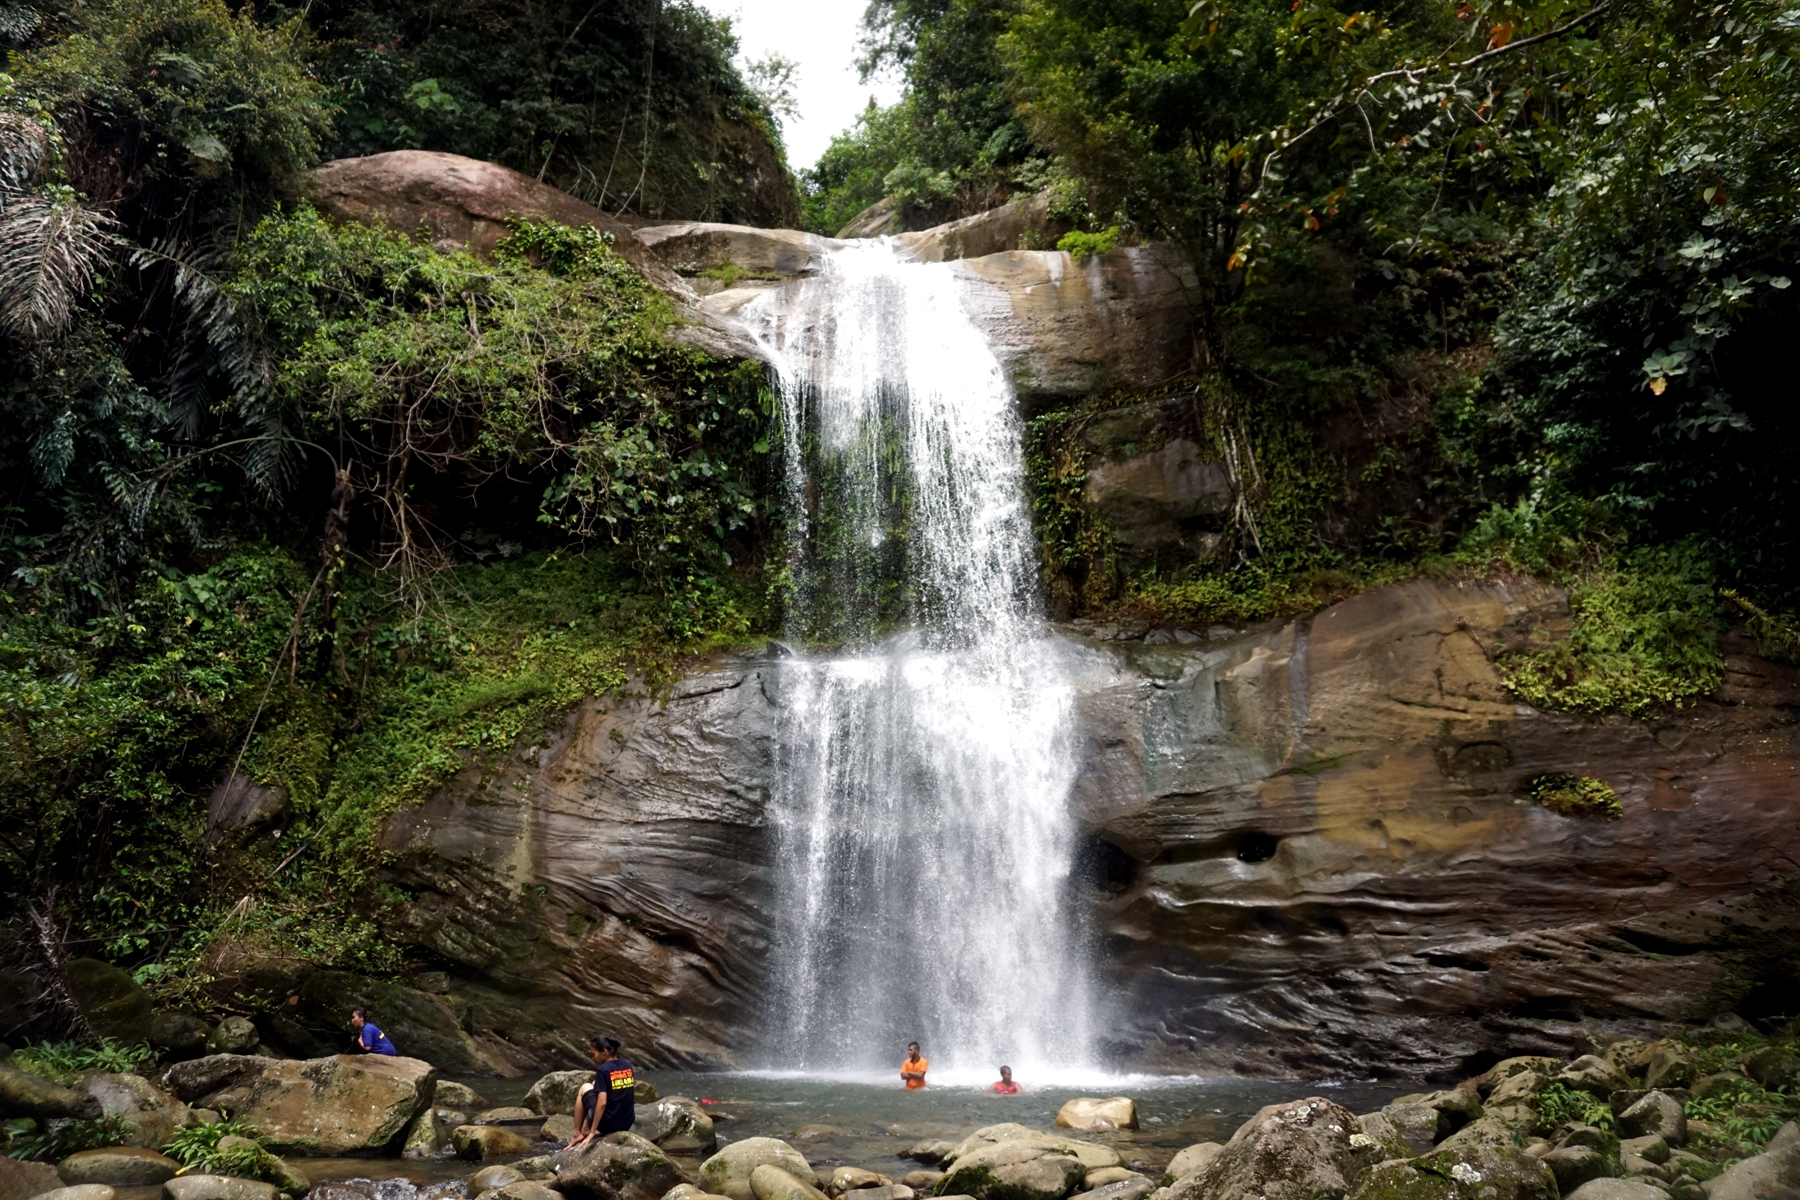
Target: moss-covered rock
(110,999)
(1468,1172)
(619,1166)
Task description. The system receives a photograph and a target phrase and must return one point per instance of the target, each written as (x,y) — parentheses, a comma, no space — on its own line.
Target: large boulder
(233,1035)
(1772,1066)
(421,1024)
(619,1166)
(1474,1172)
(1091,1155)
(1014,1170)
(152,1114)
(347,1104)
(119,1166)
(1617,1189)
(1772,1175)
(1088,1113)
(1021,224)
(177,1033)
(727,1173)
(481,1143)
(1592,1074)
(25,1095)
(22,1180)
(1575,1165)
(1295,1151)
(1656,1113)
(1189,1160)
(678,1125)
(110,999)
(217,1187)
(555,1093)
(770,1182)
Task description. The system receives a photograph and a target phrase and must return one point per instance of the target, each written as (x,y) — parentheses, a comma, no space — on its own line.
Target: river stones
(1771,1174)
(678,1125)
(496,1176)
(922,1180)
(81,1191)
(21,1180)
(451,1094)
(850,1179)
(1134,1188)
(556,1092)
(27,1095)
(1091,1154)
(1592,1074)
(424,1137)
(478,1143)
(118,1166)
(1575,1165)
(217,1187)
(619,1166)
(1617,1189)
(1186,1162)
(1658,1114)
(770,1182)
(557,1128)
(1014,1170)
(728,1172)
(1088,1113)
(1475,1172)
(1295,1151)
(1102,1176)
(687,1191)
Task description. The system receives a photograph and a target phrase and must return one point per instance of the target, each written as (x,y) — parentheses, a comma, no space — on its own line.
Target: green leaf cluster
(64,1062)
(1577,796)
(1560,1104)
(69,1136)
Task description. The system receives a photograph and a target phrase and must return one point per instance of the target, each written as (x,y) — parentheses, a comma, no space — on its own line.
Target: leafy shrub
(1745,1116)
(1083,246)
(62,1062)
(1560,1104)
(61,1138)
(1645,638)
(197,1148)
(1577,796)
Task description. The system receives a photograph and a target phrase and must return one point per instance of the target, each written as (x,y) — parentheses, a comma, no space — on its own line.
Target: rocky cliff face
(1307,849)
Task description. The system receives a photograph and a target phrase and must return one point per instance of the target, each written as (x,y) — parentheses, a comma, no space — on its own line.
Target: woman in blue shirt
(369,1038)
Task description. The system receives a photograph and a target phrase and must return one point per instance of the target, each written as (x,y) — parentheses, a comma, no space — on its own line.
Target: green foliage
(196,1147)
(1645,638)
(1577,796)
(1744,1117)
(1559,1104)
(634,106)
(1083,246)
(59,1139)
(64,1062)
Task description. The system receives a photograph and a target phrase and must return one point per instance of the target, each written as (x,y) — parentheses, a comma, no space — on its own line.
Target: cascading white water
(923,844)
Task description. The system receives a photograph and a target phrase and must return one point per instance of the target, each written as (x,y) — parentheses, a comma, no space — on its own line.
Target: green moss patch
(1577,796)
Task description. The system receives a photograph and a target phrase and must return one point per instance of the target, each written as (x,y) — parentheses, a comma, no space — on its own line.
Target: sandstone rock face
(1022,224)
(1295,816)
(1086,1112)
(342,1105)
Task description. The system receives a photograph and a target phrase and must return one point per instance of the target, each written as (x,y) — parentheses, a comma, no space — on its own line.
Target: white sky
(821,36)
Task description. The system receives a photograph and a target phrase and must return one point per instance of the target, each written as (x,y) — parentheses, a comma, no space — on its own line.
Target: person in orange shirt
(1006,1086)
(913,1069)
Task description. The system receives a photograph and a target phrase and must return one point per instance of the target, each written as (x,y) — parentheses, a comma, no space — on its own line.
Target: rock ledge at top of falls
(1318,855)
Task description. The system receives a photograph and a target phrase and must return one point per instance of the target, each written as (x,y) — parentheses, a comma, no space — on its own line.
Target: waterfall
(922,840)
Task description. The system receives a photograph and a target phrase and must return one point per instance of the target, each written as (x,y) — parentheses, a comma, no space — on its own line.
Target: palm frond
(50,251)
(24,144)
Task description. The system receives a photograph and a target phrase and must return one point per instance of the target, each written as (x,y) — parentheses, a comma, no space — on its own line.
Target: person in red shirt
(1006,1086)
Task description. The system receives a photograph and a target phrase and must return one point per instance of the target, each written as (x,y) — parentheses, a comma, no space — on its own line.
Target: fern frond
(50,251)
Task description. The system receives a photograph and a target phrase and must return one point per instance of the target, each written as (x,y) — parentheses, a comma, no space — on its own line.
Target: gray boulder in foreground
(1771,1175)
(1295,1151)
(619,1166)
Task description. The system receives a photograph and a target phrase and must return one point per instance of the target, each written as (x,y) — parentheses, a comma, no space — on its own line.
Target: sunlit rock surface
(1308,851)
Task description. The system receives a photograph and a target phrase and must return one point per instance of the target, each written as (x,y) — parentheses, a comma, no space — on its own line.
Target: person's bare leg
(583,1134)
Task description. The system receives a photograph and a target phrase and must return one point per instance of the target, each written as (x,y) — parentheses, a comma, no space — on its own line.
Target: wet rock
(496,1176)
(424,1137)
(1617,1189)
(1591,1136)
(727,1173)
(451,1094)
(1772,1066)
(1124,1189)
(686,1191)
(26,1095)
(21,1180)
(198,1078)
(893,1191)
(1101,1176)
(524,1189)
(559,1128)
(645,1093)
(84,1191)
(217,1187)
(1088,1113)
(850,1179)
(118,1166)
(234,1035)
(922,1180)
(1771,1175)
(769,1182)
(510,1115)
(1090,1154)
(1014,1170)
(1414,1124)
(178,1033)
(479,1143)
(1162,500)
(678,1125)
(555,1093)
(1295,1151)
(348,1104)
(1575,1165)
(813,1132)
(1189,1160)
(619,1166)
(421,1024)
(1592,1074)
(1657,1113)
(931,1150)
(1469,1172)
(1378,1136)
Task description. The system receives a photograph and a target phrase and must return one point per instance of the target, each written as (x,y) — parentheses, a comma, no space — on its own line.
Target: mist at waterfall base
(922,840)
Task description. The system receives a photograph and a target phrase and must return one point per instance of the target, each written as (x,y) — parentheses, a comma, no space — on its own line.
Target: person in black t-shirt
(609,1103)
